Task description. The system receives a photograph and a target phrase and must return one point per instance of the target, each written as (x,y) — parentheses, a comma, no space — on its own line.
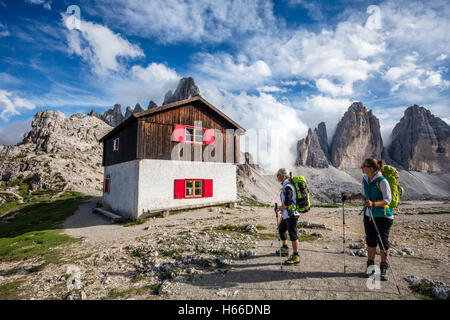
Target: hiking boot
(383,271)
(284,252)
(372,270)
(294,259)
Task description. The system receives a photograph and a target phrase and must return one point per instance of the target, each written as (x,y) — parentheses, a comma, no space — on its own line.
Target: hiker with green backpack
(294,197)
(381,191)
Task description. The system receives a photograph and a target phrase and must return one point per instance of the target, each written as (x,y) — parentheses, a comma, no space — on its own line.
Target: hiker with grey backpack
(294,197)
(381,192)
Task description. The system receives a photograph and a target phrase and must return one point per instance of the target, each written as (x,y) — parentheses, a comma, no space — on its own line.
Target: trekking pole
(278,231)
(343,230)
(382,246)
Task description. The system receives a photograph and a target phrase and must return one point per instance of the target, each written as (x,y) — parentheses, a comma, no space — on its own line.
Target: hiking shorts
(384,226)
(289,225)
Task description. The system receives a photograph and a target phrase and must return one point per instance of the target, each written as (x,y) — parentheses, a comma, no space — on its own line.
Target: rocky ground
(58,153)
(223,253)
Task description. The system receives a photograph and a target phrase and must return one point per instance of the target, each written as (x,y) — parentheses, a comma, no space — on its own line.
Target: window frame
(193,135)
(193,188)
(116,145)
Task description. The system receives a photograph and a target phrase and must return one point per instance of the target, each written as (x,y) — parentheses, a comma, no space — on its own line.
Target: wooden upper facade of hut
(153,134)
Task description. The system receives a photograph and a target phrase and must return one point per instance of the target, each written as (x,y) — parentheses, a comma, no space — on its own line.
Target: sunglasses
(364,166)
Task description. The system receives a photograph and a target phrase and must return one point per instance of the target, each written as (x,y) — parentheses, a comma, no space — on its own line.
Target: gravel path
(320,274)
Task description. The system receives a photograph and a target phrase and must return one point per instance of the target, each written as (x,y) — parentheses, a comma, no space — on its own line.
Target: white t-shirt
(287,184)
(385,190)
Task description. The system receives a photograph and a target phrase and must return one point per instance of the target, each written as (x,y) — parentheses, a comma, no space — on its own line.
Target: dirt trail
(320,274)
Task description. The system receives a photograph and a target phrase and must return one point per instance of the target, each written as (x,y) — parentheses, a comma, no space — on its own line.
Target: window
(116,144)
(107,185)
(193,188)
(194,135)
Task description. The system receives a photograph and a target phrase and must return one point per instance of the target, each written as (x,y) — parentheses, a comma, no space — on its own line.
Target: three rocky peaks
(420,142)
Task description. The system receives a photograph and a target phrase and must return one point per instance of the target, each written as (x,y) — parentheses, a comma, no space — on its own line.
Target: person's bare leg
(295,245)
(383,256)
(284,242)
(371,251)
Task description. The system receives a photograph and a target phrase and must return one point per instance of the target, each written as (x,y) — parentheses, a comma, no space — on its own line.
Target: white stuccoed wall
(156,182)
(140,186)
(123,196)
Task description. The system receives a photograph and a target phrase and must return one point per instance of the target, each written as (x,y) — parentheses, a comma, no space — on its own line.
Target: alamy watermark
(73,18)
(196,143)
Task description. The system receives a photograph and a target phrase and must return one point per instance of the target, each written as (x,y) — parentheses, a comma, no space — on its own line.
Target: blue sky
(268,64)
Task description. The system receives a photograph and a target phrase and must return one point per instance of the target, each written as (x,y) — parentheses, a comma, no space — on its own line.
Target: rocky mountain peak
(137,108)
(321,132)
(94,113)
(114,116)
(310,153)
(128,112)
(186,89)
(151,105)
(421,141)
(356,138)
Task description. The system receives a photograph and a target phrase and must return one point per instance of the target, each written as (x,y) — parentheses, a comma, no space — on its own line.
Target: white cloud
(442,57)
(4,32)
(10,104)
(228,72)
(268,89)
(143,84)
(329,87)
(318,108)
(188,20)
(99,46)
(412,76)
(13,133)
(266,116)
(46,5)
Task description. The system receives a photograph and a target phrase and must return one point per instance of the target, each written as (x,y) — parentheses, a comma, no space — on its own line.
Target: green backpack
(302,205)
(391,175)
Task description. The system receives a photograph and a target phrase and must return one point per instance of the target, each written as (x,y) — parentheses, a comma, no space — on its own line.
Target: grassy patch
(267,236)
(233,228)
(222,252)
(10,290)
(173,212)
(114,294)
(136,222)
(424,289)
(251,202)
(35,231)
(435,212)
(274,236)
(326,205)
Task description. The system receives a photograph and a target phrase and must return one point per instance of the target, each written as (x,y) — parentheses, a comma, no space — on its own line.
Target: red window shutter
(179,189)
(209,136)
(178,133)
(207,188)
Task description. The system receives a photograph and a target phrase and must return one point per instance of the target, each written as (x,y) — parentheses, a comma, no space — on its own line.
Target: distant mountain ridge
(420,142)
(186,89)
